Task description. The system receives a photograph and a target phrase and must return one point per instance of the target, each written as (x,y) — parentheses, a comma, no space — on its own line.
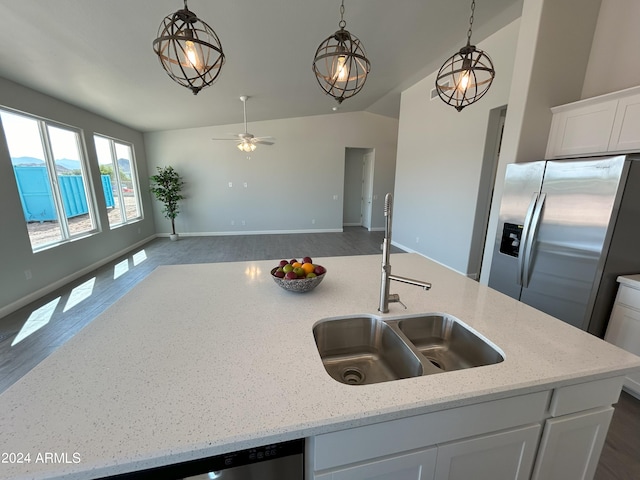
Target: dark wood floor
(620,458)
(621,455)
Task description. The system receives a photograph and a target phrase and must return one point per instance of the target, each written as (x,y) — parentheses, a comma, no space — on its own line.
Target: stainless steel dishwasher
(278,461)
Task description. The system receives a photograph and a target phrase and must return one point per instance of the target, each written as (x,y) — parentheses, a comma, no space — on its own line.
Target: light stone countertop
(632,281)
(199,360)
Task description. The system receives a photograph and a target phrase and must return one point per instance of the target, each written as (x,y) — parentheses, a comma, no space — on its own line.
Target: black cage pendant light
(189,50)
(340,64)
(467,75)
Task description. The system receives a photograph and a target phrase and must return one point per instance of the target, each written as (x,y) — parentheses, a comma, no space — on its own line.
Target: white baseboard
(12,307)
(253,232)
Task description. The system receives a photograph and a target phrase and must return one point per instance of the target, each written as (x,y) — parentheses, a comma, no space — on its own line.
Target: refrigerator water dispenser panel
(510,241)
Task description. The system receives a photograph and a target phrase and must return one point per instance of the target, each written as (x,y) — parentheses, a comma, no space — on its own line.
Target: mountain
(27,162)
(68,164)
(124,165)
(63,166)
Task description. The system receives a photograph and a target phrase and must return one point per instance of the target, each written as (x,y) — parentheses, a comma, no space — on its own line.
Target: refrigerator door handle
(533,231)
(524,237)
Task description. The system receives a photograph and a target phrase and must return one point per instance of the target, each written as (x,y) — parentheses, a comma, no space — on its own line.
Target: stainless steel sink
(446,343)
(363,350)
(367,349)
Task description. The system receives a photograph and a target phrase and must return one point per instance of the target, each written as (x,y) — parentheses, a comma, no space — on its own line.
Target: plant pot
(173,237)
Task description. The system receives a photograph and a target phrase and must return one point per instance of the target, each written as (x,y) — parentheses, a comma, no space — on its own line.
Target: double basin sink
(366,349)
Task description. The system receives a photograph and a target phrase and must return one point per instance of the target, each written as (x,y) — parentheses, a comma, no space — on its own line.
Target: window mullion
(53,178)
(116,169)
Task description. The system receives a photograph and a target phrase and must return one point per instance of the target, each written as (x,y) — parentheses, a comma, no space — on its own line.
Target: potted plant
(166,185)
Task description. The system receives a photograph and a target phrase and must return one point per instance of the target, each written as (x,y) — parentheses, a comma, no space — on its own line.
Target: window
(50,169)
(119,180)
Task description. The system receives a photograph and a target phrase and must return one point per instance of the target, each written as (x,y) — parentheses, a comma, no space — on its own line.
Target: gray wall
(295,185)
(440,156)
(55,266)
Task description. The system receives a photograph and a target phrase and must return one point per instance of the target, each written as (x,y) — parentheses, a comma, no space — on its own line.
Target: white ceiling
(97,54)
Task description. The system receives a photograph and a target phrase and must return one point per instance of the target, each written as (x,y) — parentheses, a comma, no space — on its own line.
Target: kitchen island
(199,360)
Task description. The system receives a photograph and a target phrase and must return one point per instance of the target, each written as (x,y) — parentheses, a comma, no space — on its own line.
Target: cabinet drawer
(624,329)
(358,444)
(584,396)
(629,297)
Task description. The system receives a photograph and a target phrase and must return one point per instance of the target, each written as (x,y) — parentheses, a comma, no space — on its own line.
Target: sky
(23,138)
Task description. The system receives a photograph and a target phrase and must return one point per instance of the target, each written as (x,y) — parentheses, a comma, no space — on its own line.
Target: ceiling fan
(247,141)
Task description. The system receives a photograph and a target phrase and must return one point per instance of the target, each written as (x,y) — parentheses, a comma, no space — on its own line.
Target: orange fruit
(308,267)
(296,264)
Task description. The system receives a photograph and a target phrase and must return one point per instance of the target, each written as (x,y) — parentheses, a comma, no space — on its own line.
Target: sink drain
(435,363)
(353,376)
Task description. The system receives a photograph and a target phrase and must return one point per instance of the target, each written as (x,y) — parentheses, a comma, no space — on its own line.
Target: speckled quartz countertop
(199,360)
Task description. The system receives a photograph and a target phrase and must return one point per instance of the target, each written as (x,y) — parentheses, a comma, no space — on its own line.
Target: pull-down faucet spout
(385,283)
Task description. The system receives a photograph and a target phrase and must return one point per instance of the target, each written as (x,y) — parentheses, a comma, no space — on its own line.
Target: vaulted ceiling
(97,54)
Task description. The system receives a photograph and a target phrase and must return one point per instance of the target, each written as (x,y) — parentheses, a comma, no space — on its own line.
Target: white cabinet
(624,324)
(506,455)
(411,466)
(498,439)
(571,445)
(606,124)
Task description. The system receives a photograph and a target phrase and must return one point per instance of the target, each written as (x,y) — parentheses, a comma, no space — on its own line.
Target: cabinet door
(506,455)
(624,331)
(625,136)
(571,445)
(582,130)
(411,466)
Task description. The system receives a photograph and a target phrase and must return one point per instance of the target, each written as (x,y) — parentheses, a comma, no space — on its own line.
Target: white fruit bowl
(298,285)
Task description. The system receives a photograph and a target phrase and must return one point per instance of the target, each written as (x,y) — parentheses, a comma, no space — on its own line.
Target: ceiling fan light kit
(340,63)
(467,75)
(189,50)
(247,142)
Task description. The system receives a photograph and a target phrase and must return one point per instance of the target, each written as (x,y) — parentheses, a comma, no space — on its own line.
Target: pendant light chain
(473,8)
(342,23)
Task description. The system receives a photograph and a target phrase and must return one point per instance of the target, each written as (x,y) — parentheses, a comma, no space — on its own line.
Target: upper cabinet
(606,124)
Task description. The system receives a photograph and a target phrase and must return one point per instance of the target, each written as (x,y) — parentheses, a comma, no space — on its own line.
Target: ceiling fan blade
(234,139)
(264,138)
(263,142)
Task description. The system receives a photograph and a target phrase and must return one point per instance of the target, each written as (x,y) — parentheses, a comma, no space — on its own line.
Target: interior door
(367,189)
(572,236)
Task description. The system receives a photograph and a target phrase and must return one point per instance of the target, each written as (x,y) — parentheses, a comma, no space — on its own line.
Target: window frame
(135,178)
(43,125)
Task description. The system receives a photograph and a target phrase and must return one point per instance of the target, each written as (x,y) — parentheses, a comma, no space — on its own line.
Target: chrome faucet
(385,296)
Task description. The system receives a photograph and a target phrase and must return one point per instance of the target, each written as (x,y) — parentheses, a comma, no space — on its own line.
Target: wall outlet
(313,221)
(233,222)
(230,184)
(27,274)
(417,239)
(245,185)
(335,197)
(243,222)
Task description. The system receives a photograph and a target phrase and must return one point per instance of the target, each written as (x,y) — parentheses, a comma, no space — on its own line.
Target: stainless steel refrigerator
(567,229)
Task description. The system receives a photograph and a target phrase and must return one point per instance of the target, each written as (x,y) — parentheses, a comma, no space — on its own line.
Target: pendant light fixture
(340,63)
(189,50)
(467,75)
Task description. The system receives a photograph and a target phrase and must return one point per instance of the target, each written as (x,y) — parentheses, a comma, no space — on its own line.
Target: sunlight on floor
(139,257)
(38,319)
(79,293)
(120,268)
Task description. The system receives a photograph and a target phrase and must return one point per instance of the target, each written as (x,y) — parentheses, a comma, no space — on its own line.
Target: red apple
(307,260)
(290,275)
(319,270)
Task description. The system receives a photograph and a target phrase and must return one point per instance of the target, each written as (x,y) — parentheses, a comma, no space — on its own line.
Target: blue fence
(37,199)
